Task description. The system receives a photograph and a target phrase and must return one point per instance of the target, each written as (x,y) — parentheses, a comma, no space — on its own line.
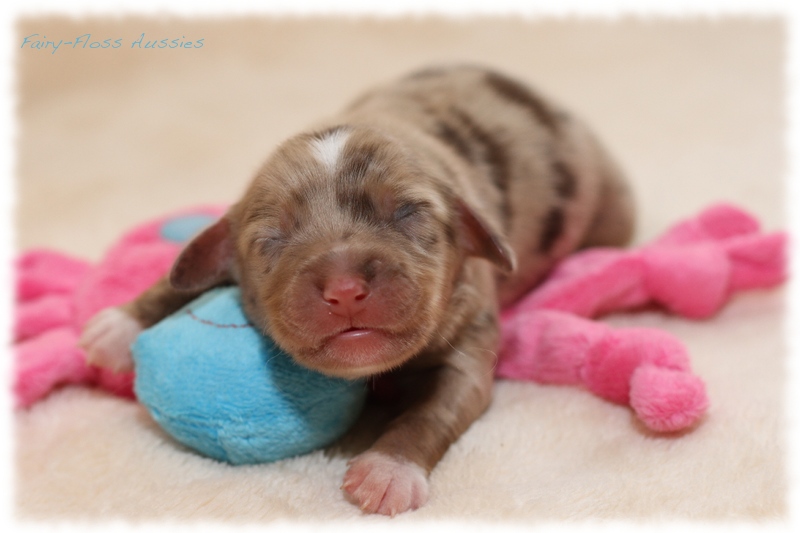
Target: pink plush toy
(692,270)
(547,337)
(57,294)
(644,367)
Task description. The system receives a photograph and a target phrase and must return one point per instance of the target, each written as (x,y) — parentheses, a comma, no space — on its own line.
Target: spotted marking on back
(476,145)
(552,228)
(566,183)
(513,91)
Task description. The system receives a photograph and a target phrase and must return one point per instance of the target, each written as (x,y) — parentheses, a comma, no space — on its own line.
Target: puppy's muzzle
(350,286)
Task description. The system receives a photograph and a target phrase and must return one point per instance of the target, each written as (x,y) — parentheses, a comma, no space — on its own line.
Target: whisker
(494,354)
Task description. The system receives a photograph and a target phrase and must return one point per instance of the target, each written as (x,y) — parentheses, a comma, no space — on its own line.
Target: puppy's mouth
(356,344)
(356,352)
(350,337)
(353,333)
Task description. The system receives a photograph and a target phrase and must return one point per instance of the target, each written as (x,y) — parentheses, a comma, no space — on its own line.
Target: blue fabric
(219,386)
(183,228)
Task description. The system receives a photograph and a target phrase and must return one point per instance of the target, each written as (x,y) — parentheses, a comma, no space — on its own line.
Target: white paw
(107,339)
(379,483)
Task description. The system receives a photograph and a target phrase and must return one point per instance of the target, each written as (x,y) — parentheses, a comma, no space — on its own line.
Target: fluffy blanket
(111,138)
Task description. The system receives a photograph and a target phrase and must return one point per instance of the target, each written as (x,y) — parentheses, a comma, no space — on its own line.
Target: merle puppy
(385,240)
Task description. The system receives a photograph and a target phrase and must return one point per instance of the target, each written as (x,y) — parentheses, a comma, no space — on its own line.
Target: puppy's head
(347,249)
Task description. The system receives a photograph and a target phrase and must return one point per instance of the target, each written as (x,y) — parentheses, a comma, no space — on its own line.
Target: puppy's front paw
(107,339)
(378,483)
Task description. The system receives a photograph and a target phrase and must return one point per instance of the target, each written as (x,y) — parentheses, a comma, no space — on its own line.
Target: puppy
(384,241)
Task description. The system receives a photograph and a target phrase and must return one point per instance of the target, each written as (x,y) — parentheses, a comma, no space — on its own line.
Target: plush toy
(645,368)
(691,270)
(548,337)
(219,386)
(204,374)
(57,294)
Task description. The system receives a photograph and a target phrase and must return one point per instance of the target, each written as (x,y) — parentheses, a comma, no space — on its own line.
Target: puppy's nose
(345,294)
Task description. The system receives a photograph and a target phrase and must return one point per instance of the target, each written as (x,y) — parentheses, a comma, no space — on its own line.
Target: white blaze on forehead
(328,150)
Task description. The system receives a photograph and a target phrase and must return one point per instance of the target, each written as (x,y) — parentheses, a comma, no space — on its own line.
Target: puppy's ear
(206,261)
(480,240)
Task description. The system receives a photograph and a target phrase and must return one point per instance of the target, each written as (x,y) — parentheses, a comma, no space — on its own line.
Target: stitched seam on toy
(214,324)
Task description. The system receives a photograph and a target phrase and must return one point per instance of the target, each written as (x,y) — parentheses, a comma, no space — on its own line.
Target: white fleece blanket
(694,110)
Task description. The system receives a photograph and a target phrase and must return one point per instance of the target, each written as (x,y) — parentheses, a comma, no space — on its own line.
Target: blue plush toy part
(181,229)
(219,386)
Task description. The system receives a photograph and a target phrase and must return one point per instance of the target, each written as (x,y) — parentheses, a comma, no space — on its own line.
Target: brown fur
(441,171)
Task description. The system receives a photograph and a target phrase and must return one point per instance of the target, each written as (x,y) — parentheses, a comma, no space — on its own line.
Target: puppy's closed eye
(412,211)
(406,211)
(270,245)
(414,220)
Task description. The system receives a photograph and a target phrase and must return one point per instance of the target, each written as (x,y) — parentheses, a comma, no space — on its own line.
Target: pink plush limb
(46,361)
(42,314)
(667,400)
(757,261)
(53,358)
(547,347)
(43,272)
(136,262)
(690,280)
(716,223)
(646,368)
(588,284)
(58,294)
(692,270)
(122,276)
(696,280)
(611,362)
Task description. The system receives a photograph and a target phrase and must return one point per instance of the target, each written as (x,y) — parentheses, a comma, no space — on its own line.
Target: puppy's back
(535,172)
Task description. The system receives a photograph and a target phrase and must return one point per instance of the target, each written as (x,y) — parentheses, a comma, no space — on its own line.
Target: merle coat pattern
(384,242)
